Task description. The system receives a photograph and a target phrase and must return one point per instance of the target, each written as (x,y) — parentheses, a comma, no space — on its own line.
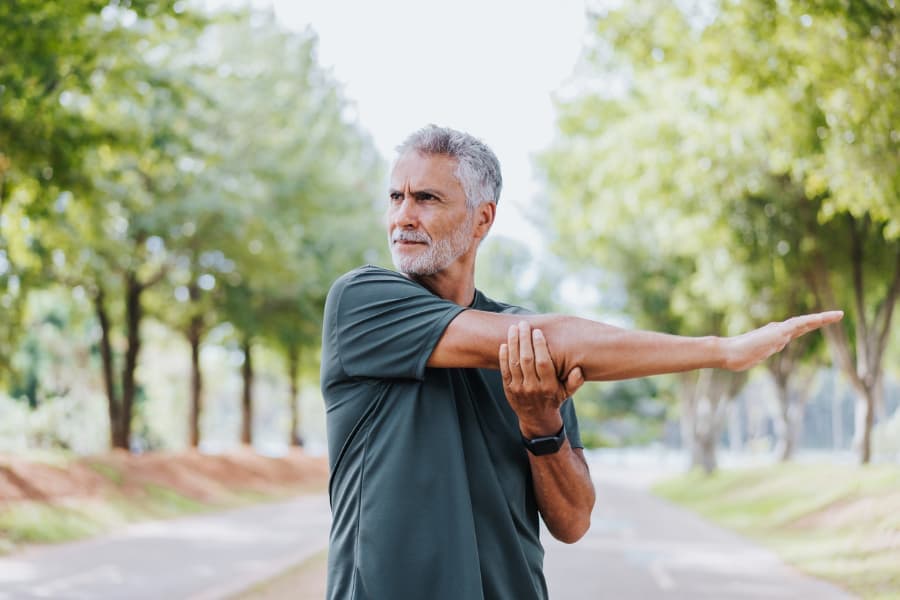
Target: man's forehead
(415,168)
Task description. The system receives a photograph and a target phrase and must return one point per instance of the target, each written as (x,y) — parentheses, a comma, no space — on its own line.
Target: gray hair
(478,169)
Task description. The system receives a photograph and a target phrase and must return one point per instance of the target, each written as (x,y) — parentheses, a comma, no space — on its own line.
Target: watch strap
(550,444)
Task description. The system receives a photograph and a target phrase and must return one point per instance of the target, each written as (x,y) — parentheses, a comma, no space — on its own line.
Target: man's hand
(744,351)
(530,382)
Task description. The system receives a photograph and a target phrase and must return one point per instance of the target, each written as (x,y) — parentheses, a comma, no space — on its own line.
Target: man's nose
(405,212)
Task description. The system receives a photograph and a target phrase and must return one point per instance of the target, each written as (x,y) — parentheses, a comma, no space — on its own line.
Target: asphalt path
(198,558)
(642,547)
(638,547)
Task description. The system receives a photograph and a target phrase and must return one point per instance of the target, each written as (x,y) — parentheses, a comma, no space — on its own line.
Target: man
(440,463)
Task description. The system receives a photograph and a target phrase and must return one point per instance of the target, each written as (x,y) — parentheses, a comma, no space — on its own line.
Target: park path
(638,547)
(198,558)
(642,547)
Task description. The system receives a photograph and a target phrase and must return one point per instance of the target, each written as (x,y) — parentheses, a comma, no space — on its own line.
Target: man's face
(429,226)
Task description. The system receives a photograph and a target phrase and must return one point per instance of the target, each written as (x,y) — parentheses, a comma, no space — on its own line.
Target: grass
(111,473)
(836,522)
(38,522)
(66,505)
(72,519)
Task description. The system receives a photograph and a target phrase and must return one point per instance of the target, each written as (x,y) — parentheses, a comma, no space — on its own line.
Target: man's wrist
(543,427)
(717,351)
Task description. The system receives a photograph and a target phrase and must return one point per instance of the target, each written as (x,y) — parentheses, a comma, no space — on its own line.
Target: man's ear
(484,218)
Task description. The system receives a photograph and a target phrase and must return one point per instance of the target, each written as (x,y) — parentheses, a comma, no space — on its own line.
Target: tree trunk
(247,395)
(705,404)
(782,368)
(133,316)
(784,421)
(860,362)
(294,373)
(194,334)
(864,418)
(106,358)
(703,448)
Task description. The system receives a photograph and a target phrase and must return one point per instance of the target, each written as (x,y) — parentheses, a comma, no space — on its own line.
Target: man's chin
(413,267)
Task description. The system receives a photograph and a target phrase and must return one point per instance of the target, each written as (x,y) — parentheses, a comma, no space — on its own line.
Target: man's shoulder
(366,274)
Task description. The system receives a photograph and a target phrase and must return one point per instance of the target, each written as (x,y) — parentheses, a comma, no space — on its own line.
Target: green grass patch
(28,522)
(109,472)
(837,522)
(72,519)
(165,502)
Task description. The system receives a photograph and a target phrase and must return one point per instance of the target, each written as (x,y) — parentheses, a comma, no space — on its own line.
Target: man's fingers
(526,355)
(504,365)
(543,363)
(574,380)
(806,323)
(512,340)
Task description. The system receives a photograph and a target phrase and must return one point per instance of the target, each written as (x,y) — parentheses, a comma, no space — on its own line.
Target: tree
(783,106)
(297,178)
(54,53)
(110,238)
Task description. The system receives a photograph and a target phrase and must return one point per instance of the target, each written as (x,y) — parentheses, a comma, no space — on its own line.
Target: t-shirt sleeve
(571,420)
(386,325)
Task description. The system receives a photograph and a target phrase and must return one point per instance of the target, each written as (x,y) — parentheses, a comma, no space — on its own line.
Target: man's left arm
(562,481)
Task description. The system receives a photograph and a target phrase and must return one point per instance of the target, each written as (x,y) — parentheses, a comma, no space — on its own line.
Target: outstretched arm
(605,352)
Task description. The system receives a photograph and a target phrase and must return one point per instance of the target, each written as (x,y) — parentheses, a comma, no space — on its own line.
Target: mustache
(401,235)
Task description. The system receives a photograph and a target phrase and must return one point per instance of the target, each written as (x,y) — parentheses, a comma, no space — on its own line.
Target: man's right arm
(605,352)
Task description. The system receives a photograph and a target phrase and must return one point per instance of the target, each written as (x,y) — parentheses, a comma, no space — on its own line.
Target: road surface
(645,548)
(639,547)
(198,558)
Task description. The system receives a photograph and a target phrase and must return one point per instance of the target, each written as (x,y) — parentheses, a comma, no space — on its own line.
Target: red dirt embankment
(201,477)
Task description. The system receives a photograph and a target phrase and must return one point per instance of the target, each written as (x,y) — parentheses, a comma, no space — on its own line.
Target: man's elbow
(574,530)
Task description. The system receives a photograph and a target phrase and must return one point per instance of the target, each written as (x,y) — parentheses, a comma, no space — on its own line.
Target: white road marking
(661,576)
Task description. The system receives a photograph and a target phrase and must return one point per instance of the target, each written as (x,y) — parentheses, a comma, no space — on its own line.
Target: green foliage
(716,173)
(201,170)
(56,56)
(623,413)
(507,271)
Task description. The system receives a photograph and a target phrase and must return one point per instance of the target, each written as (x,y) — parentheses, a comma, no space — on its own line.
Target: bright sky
(488,67)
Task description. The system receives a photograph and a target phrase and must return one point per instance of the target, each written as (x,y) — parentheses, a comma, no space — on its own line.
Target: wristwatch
(550,444)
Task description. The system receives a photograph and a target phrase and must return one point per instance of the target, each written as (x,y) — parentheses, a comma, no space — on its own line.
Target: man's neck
(456,283)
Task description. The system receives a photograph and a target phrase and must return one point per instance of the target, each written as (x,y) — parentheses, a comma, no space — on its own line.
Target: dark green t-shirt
(431,490)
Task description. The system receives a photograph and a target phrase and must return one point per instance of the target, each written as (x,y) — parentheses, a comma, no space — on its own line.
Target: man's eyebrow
(429,191)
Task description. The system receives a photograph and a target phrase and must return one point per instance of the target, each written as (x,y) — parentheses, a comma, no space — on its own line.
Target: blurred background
(180,183)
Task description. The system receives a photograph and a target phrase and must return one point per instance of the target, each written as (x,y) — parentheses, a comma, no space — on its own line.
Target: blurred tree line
(163,164)
(734,162)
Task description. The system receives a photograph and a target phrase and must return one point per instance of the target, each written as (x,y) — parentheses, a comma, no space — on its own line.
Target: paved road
(639,547)
(644,548)
(197,558)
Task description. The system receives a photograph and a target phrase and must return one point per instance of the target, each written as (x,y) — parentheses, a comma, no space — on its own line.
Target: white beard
(438,255)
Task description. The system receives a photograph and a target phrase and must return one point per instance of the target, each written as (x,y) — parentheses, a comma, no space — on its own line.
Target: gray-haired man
(450,422)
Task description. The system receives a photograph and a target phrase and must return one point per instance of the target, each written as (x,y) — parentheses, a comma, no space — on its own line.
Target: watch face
(547,445)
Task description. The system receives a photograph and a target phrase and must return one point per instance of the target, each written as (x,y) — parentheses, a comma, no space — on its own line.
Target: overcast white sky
(488,67)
